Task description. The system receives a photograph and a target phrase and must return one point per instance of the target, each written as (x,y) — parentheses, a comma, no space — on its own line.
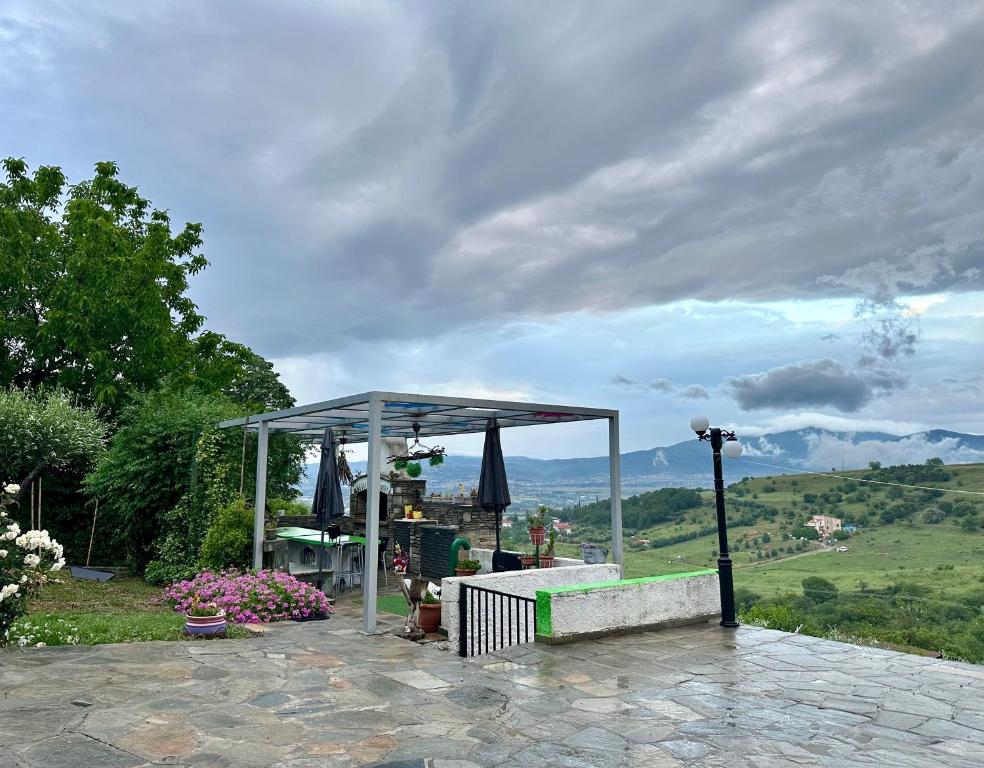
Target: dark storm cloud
(812,384)
(381,171)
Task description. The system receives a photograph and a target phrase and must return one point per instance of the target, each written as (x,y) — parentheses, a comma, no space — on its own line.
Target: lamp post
(726,442)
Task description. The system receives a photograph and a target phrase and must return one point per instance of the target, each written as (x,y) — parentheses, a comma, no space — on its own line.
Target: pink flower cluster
(249,598)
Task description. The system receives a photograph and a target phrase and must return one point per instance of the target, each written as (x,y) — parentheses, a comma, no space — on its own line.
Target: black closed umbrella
(328,504)
(493,488)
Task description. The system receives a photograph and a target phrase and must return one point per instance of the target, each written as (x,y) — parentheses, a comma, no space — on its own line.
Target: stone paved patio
(321,694)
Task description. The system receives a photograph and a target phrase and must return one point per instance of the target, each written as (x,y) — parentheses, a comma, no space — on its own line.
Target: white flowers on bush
(40,633)
(20,571)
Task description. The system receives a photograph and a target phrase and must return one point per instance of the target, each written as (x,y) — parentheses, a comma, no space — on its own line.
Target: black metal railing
(489,620)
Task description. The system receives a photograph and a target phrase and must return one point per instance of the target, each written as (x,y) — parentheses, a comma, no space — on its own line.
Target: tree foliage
(44,430)
(93,285)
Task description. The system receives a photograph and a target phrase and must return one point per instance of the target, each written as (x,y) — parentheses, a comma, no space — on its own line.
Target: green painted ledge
(544,618)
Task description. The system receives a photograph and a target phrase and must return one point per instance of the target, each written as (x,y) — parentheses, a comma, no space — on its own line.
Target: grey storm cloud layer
(402,166)
(812,384)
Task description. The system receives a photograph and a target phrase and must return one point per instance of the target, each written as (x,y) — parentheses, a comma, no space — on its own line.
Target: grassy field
(122,610)
(940,556)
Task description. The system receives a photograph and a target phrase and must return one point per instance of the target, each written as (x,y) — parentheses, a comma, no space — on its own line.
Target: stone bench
(565,614)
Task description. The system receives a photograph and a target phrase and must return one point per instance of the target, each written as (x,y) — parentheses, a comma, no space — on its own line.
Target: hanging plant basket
(538,536)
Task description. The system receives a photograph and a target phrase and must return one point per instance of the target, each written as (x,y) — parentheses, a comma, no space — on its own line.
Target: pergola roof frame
(437,415)
(368,417)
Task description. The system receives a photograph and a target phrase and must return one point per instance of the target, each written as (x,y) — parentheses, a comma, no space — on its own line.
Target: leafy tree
(92,285)
(806,532)
(168,471)
(229,540)
(44,430)
(970,523)
(819,589)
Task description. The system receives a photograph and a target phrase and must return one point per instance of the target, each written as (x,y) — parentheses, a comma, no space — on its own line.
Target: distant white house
(824,524)
(507,522)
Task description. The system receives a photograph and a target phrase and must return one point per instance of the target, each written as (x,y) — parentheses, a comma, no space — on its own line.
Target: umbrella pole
(498,525)
(321,555)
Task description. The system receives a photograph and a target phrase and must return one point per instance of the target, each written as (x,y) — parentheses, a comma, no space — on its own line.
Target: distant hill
(688,463)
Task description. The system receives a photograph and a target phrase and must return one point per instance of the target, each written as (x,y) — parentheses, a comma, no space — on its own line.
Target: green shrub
(162,574)
(229,541)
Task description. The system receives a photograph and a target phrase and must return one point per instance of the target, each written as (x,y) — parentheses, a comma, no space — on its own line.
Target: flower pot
(527,560)
(547,561)
(465,571)
(430,617)
(205,625)
(538,536)
(594,554)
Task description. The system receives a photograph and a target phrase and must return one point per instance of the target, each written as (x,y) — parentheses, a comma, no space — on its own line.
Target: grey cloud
(694,392)
(367,171)
(653,385)
(811,384)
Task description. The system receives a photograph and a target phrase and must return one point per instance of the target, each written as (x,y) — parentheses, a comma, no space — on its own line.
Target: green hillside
(912,575)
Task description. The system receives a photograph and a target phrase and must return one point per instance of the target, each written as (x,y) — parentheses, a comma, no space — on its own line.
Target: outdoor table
(299,539)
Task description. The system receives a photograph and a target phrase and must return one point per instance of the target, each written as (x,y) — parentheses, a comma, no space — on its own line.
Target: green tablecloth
(313,536)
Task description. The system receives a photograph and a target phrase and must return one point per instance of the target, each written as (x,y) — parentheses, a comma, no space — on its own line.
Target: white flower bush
(26,559)
(39,633)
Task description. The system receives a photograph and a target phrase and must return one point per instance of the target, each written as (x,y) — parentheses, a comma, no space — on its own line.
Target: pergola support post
(615,477)
(259,498)
(371,560)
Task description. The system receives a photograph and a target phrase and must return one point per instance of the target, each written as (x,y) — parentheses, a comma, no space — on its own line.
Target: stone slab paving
(323,694)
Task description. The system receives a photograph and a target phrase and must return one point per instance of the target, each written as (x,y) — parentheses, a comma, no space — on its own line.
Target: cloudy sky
(772,213)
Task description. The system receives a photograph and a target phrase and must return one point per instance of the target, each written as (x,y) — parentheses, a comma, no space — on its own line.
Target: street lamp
(726,442)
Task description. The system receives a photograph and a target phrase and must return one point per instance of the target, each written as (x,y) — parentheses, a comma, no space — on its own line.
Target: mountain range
(689,463)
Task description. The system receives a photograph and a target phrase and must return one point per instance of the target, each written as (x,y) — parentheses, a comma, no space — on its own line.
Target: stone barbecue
(462,512)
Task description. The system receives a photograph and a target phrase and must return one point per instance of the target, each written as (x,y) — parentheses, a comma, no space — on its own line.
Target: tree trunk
(25,484)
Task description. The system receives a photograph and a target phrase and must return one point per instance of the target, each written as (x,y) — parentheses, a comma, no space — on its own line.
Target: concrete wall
(521,583)
(565,614)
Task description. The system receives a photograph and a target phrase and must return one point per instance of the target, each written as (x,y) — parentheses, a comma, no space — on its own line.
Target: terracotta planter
(547,561)
(538,536)
(205,625)
(430,617)
(527,561)
(465,571)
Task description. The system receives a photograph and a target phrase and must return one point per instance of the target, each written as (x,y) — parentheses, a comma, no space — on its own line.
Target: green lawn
(123,610)
(395,604)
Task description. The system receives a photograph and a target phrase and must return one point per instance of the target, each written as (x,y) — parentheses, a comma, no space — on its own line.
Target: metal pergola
(371,416)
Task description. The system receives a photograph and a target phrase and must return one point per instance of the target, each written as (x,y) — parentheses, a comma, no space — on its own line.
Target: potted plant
(594,553)
(527,559)
(430,613)
(204,618)
(270,529)
(467,568)
(534,522)
(547,556)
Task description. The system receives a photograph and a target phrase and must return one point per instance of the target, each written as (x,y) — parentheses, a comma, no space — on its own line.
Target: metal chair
(350,564)
(383,546)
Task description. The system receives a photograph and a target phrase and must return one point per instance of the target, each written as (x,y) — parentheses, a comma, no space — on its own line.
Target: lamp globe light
(732,449)
(699,424)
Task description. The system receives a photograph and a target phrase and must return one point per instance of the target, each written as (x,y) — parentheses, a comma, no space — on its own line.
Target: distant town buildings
(825,524)
(564,529)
